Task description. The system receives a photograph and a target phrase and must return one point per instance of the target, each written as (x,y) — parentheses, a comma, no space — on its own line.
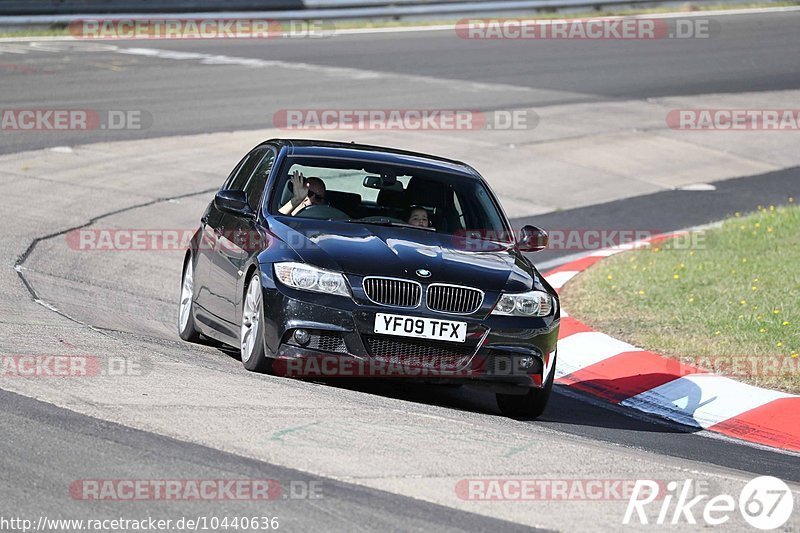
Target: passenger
(418,217)
(306,192)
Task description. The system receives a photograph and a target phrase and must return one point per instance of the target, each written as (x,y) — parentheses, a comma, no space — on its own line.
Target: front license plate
(426,328)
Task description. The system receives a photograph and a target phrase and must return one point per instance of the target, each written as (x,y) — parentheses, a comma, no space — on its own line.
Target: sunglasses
(312,195)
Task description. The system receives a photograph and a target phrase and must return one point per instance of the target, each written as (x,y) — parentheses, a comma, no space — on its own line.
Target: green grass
(61,30)
(733,298)
(24,32)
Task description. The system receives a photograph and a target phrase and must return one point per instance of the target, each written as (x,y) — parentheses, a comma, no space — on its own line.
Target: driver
(306,192)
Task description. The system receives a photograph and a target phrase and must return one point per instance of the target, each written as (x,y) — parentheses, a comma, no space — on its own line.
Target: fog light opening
(526,362)
(302,336)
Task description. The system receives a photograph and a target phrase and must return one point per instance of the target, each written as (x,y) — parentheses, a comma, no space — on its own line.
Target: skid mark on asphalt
(278,435)
(516,449)
(19,265)
(345,435)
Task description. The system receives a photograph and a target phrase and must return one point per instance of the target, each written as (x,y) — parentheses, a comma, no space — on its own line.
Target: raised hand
(299,188)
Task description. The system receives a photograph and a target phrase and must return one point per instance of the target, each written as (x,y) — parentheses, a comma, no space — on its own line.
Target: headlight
(533,303)
(310,278)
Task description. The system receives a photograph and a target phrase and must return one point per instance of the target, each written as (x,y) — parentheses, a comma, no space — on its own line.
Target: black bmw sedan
(322,259)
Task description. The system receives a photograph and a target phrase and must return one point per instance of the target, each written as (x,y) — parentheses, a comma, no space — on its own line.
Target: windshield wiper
(389,223)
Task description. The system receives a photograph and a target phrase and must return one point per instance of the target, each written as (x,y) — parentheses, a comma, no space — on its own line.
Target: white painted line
(72,46)
(606,252)
(395,29)
(558,279)
(702,400)
(587,348)
(698,187)
(644,243)
(559,261)
(13,49)
(338,72)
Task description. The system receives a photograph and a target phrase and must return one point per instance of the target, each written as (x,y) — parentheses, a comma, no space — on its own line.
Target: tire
(186,325)
(529,405)
(251,333)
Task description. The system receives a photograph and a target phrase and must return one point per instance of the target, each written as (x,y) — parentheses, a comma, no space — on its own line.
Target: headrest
(344,201)
(424,192)
(392,198)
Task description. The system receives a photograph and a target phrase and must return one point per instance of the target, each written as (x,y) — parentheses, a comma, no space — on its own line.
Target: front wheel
(254,357)
(186,327)
(530,404)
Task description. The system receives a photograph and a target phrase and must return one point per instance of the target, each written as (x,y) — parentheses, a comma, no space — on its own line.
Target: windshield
(377,193)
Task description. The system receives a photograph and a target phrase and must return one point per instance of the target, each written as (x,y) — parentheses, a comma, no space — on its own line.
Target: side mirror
(532,239)
(234,203)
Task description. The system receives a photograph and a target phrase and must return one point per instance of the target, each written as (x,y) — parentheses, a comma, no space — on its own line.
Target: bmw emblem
(423,273)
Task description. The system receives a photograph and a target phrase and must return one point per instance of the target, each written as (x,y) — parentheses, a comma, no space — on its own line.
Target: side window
(234,172)
(246,170)
(255,186)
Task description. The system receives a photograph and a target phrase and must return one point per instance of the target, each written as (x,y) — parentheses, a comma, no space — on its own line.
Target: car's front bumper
(509,353)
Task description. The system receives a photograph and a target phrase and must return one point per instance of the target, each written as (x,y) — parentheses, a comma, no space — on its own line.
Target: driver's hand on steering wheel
(305,203)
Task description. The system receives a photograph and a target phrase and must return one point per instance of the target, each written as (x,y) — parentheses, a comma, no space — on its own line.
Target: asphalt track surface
(753,53)
(34,437)
(666,211)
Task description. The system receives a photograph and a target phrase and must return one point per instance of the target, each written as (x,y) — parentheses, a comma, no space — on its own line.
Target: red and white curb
(625,375)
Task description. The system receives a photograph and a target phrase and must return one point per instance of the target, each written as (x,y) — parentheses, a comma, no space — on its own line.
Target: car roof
(319,148)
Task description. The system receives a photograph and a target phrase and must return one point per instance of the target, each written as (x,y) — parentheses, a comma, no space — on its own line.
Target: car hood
(372,250)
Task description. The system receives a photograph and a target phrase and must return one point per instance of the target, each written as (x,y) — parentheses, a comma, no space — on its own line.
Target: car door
(211,219)
(213,290)
(240,238)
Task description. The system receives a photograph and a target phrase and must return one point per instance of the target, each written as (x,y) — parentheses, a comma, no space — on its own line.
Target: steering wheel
(322,212)
(378,218)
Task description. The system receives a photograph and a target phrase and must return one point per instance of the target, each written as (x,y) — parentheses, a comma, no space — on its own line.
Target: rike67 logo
(765,503)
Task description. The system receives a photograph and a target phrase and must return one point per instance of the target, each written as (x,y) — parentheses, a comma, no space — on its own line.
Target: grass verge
(730,303)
